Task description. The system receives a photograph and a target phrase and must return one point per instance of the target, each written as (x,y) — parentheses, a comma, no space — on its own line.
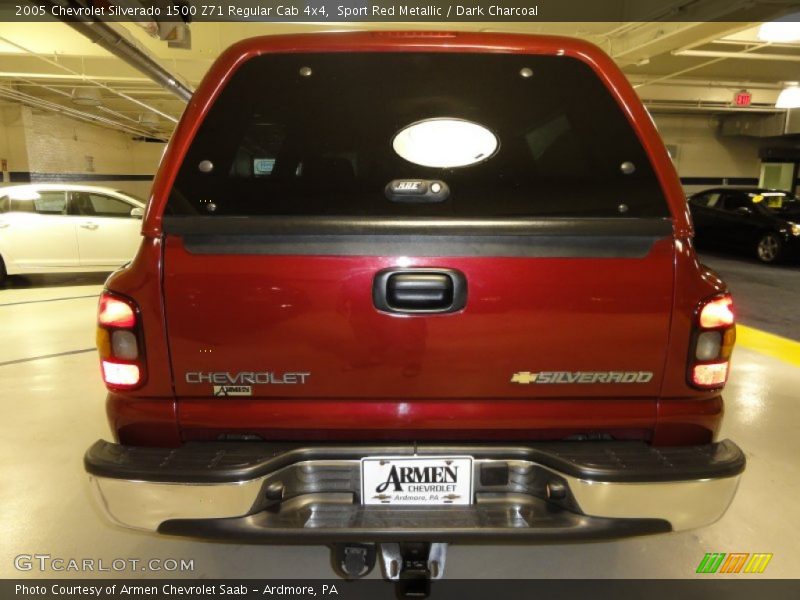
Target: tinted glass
(98,205)
(282,143)
(3,204)
(50,203)
(776,202)
(15,205)
(134,196)
(734,201)
(709,200)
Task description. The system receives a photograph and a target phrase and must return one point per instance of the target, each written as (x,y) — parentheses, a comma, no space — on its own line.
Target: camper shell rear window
(322,135)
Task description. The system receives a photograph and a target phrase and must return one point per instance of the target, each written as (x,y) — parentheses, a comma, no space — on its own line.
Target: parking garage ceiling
(675,66)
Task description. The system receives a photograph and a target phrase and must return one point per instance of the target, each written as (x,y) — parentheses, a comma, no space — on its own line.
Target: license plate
(423,480)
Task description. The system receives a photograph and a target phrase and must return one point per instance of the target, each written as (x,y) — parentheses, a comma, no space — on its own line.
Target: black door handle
(419,290)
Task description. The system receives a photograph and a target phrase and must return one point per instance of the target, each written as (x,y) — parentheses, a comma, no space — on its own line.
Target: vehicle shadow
(21,282)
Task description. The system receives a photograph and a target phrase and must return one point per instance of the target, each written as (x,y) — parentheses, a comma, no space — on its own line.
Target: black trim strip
(327,236)
(35,177)
(319,225)
(719,180)
(424,246)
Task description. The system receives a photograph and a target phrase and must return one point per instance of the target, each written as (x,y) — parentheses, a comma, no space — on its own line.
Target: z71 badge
(578,377)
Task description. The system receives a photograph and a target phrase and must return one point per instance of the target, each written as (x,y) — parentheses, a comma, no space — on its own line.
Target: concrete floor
(766,295)
(52,410)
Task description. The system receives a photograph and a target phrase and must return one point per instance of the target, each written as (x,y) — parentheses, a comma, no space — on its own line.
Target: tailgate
(244,321)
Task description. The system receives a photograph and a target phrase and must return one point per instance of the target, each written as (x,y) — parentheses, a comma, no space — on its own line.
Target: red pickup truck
(397,290)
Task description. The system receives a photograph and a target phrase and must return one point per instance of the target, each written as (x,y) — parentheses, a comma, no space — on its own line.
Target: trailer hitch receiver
(412,566)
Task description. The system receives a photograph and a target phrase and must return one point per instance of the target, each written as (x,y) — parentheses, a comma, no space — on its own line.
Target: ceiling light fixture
(784,31)
(789,96)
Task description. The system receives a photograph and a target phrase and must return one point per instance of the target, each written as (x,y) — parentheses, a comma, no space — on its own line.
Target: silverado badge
(527,377)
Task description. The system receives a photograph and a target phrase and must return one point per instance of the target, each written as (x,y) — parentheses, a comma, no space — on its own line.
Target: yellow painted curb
(770,344)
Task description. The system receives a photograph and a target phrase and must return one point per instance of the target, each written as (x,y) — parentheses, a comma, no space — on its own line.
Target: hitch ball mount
(410,565)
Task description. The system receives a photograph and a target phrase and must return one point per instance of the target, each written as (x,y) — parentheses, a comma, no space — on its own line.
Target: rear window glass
(319,135)
(44,203)
(99,205)
(17,205)
(134,196)
(775,201)
(50,203)
(709,200)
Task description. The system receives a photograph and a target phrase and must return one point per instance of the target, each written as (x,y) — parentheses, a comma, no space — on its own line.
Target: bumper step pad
(592,461)
(505,520)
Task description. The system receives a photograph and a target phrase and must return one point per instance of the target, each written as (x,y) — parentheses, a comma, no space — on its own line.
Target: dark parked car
(764,221)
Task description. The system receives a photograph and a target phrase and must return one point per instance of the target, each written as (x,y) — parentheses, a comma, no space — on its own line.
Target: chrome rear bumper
(544,492)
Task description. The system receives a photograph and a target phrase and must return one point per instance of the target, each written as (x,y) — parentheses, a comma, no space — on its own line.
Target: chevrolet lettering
(247,377)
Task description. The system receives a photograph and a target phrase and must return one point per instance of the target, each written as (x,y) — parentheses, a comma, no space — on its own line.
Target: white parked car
(52,228)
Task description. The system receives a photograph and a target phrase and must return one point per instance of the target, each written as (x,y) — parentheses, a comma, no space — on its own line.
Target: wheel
(769,248)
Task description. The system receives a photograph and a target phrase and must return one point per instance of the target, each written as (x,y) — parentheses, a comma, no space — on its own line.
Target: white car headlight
(794,228)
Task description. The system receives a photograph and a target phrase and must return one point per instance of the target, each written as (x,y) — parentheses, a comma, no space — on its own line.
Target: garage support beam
(117,44)
(700,21)
(737,55)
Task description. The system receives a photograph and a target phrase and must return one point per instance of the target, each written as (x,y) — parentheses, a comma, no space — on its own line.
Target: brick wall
(50,147)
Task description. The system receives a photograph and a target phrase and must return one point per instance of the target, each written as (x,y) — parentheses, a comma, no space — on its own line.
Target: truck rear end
(413,288)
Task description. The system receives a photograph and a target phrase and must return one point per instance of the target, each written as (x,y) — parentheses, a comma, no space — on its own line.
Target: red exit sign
(742,98)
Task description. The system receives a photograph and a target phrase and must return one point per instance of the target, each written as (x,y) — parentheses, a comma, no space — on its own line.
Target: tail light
(712,342)
(119,342)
